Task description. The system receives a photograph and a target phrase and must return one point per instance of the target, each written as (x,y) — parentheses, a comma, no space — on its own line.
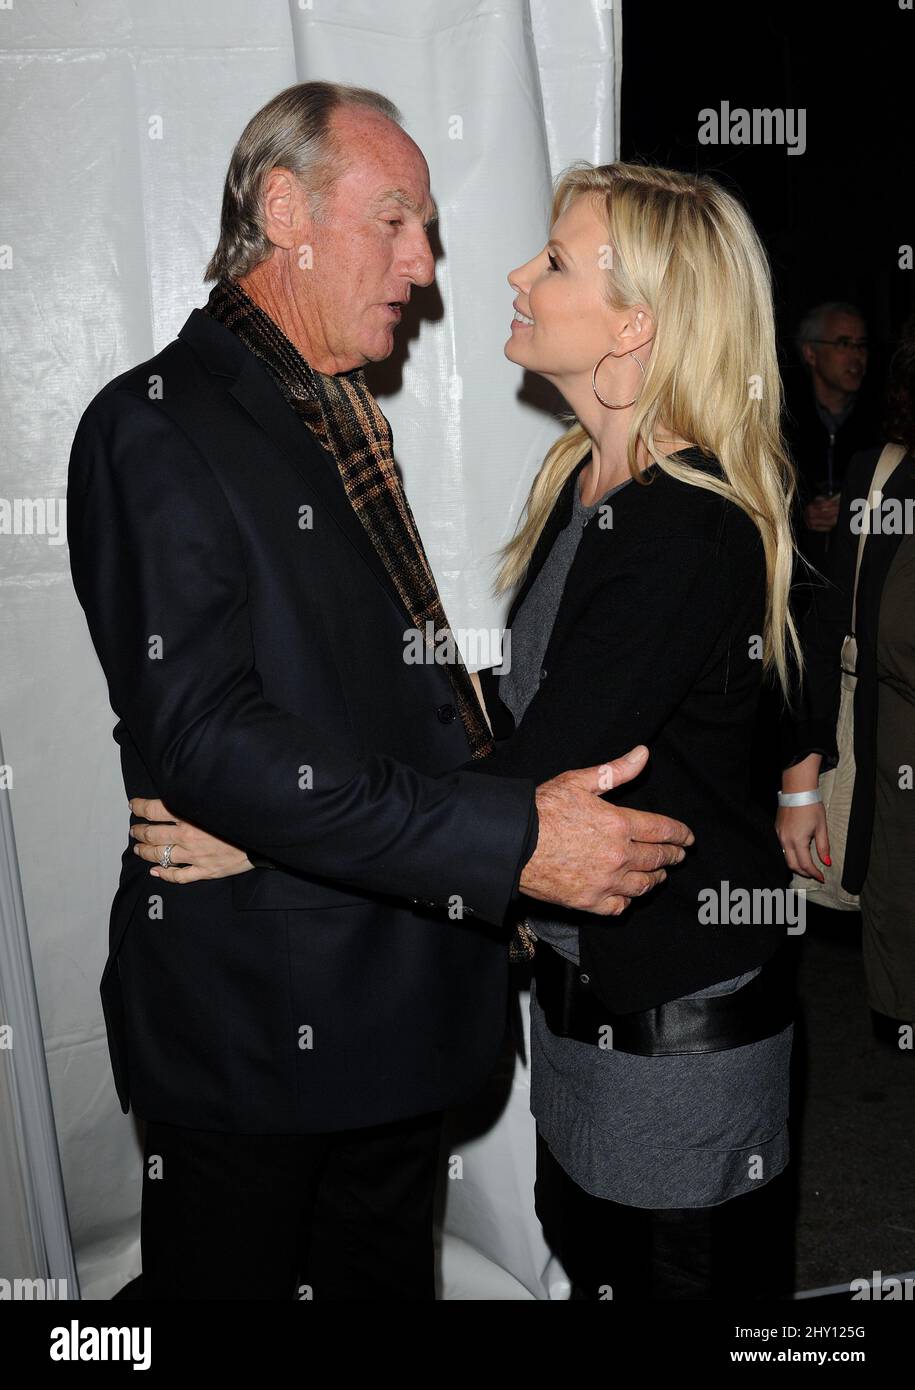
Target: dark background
(833,218)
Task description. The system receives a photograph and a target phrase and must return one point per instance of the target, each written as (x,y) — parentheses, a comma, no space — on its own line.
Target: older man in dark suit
(250,568)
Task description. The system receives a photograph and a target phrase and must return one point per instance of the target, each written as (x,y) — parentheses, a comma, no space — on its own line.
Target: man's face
(369,245)
(841,362)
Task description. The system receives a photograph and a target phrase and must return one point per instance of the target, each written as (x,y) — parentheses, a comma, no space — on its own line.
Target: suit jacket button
(543,673)
(446,713)
(585,979)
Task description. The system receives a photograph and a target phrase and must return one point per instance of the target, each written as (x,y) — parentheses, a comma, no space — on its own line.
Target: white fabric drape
(119,118)
(34,1236)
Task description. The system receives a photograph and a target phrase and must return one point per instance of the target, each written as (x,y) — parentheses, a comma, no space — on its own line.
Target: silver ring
(167,856)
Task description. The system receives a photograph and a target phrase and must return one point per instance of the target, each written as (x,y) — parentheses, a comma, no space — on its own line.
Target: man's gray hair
(291,131)
(813,325)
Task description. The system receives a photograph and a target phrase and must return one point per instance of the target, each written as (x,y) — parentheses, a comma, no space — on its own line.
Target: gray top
(681,1131)
(519,686)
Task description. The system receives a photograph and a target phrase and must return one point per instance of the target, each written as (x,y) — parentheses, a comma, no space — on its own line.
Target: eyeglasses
(844,344)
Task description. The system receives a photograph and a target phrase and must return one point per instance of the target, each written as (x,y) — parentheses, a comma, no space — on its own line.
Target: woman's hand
(202,855)
(797,827)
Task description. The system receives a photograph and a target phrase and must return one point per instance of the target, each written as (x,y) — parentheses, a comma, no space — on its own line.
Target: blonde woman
(652,569)
(654,564)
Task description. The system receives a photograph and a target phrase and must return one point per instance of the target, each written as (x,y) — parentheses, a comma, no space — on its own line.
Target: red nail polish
(828,861)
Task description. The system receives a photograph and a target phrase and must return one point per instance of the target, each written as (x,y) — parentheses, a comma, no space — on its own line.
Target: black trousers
(343,1216)
(738,1250)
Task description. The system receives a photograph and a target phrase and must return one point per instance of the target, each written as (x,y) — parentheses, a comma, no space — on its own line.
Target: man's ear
(282,204)
(808,354)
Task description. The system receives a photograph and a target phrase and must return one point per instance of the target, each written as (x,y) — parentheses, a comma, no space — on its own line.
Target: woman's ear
(637,330)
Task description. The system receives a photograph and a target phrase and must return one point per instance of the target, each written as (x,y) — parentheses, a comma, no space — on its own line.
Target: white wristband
(799,798)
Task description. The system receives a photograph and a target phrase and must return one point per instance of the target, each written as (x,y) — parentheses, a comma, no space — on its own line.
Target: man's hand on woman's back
(593,856)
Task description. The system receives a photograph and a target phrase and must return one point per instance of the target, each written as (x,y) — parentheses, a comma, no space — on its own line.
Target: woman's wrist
(803,776)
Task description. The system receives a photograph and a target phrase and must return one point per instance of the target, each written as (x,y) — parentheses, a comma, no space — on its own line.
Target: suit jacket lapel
(256,393)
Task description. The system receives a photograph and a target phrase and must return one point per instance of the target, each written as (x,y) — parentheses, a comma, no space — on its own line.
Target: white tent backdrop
(119,117)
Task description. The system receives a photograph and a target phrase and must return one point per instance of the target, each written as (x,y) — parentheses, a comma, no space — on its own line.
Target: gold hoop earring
(609,404)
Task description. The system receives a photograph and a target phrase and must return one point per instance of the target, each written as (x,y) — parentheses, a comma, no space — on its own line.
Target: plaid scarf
(346,418)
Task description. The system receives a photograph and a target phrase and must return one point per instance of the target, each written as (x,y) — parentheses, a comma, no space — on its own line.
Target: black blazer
(255,663)
(652,644)
(824,629)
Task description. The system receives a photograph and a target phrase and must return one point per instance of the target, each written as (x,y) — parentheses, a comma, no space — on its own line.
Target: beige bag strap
(891,455)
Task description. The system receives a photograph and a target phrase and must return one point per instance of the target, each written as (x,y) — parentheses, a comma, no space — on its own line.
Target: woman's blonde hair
(686,248)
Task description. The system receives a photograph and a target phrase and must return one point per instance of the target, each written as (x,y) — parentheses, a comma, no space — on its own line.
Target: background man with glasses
(829,417)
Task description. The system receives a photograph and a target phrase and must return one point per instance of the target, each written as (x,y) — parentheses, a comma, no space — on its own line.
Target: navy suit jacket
(253,645)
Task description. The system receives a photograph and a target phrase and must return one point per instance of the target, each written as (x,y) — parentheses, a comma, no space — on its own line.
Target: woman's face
(563,291)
